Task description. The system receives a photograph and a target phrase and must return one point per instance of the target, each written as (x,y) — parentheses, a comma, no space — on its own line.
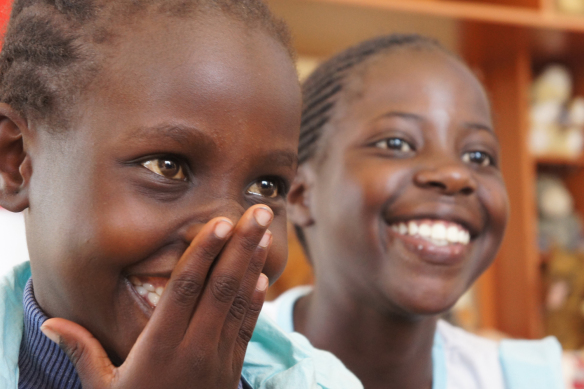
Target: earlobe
(15,164)
(299,210)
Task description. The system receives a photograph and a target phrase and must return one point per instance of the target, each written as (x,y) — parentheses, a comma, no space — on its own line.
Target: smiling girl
(150,144)
(400,204)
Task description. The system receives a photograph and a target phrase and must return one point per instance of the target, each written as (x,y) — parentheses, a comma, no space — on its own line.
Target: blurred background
(530,56)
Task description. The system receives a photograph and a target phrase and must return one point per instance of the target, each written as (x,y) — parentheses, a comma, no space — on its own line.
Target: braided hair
(323,89)
(51,48)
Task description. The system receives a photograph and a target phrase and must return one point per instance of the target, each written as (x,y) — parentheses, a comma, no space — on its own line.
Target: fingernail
(265,239)
(262,216)
(223,228)
(262,283)
(51,334)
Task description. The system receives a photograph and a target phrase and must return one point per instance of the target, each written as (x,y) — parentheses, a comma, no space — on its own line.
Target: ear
(299,210)
(15,167)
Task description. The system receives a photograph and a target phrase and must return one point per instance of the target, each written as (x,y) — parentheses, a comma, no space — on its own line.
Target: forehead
(418,79)
(211,69)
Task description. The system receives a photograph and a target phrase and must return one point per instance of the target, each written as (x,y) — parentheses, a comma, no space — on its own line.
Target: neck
(384,350)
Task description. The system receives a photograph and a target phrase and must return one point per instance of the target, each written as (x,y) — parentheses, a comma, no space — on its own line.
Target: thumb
(85,352)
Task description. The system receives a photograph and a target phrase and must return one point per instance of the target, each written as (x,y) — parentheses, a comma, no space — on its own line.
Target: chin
(427,301)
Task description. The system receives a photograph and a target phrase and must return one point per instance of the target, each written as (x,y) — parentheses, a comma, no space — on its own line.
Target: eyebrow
(418,118)
(478,126)
(403,115)
(184,135)
(281,157)
(176,133)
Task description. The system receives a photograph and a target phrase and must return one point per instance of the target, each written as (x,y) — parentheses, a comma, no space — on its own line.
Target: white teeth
(403,229)
(149,287)
(153,298)
(438,231)
(464,237)
(141,291)
(412,228)
(452,234)
(425,230)
(147,290)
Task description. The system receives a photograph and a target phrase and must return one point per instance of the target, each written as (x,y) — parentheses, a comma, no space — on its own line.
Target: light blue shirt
(273,359)
(465,361)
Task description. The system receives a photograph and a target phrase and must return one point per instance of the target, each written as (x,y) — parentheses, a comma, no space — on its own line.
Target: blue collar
(42,364)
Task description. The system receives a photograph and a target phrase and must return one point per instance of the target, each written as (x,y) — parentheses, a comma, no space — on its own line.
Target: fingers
(247,327)
(231,273)
(173,314)
(85,352)
(243,302)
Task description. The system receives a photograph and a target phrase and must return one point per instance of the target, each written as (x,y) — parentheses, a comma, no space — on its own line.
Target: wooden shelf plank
(492,13)
(560,161)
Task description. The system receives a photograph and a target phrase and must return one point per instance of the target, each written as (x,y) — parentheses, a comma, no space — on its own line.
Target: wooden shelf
(541,18)
(560,161)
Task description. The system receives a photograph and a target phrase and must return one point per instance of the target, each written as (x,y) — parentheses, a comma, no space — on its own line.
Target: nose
(207,209)
(452,179)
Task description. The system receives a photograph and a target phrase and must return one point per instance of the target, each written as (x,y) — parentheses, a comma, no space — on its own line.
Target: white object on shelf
(13,248)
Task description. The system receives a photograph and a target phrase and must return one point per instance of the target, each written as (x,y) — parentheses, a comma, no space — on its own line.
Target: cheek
(496,202)
(126,229)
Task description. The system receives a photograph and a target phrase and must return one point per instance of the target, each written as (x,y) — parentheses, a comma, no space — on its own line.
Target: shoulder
(12,286)
(275,359)
(532,363)
(281,310)
(471,361)
(466,360)
(13,248)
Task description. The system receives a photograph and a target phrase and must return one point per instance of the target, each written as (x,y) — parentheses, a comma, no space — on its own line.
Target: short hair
(51,47)
(323,88)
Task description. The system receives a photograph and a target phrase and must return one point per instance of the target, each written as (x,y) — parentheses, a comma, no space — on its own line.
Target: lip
(449,255)
(142,304)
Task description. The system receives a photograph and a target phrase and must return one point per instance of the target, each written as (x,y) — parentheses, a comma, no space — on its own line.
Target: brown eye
(265,188)
(477,157)
(397,144)
(165,167)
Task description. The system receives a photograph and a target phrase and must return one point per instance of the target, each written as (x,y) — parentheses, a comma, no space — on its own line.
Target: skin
(224,114)
(377,297)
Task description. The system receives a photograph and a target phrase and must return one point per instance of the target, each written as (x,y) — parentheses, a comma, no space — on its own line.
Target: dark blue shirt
(41,363)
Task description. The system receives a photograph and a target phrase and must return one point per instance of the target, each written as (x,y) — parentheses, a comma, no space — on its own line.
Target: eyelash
(156,168)
(396,144)
(280,187)
(485,158)
(470,157)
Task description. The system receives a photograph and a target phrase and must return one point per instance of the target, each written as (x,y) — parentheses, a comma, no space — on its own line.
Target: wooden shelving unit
(506,42)
(528,13)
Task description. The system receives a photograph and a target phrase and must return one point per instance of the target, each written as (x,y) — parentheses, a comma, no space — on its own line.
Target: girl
(151,145)
(400,205)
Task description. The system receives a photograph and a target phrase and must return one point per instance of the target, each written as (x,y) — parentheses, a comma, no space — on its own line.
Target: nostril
(437,184)
(467,191)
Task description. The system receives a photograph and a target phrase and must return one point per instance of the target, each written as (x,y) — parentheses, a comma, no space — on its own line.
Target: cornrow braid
(323,88)
(51,48)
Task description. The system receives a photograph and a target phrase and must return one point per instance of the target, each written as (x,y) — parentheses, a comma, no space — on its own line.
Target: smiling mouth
(149,288)
(437,232)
